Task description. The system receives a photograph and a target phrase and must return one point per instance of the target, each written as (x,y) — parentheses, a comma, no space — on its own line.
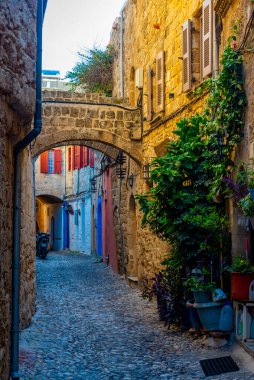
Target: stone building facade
(17,104)
(163,51)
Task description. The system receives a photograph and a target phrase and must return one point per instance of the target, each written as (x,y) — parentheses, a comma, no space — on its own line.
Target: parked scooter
(42,240)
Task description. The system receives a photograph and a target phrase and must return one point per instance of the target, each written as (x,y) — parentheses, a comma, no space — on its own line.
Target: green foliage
(246,204)
(195,283)
(179,208)
(94,71)
(241,265)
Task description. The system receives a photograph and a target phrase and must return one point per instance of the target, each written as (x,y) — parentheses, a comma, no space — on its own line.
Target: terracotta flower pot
(240,283)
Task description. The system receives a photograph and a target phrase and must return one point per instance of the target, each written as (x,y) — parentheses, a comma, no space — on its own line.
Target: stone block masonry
(17,101)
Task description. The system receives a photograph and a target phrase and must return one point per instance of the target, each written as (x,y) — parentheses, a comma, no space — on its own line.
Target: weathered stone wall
(17,98)
(53,184)
(98,120)
(148,28)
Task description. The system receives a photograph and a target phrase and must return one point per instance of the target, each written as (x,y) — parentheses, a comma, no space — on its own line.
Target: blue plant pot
(201,295)
(209,314)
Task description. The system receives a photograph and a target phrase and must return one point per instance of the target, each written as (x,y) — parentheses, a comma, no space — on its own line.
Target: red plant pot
(240,283)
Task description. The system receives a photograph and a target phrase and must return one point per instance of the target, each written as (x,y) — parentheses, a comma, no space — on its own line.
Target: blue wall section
(99,227)
(58,227)
(66,236)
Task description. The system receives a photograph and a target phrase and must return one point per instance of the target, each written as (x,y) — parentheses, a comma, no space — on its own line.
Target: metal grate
(218,366)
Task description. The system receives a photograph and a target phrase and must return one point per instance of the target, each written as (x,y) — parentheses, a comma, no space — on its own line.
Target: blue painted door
(99,227)
(66,238)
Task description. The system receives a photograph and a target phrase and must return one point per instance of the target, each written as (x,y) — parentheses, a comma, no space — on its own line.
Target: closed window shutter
(44,162)
(91,159)
(81,163)
(207,38)
(69,159)
(160,81)
(57,161)
(86,156)
(186,55)
(149,83)
(76,157)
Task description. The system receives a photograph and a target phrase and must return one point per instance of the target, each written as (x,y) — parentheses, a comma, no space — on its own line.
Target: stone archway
(91,120)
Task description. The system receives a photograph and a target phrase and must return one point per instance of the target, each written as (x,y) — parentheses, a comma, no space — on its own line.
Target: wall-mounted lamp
(93,186)
(130,180)
(147,172)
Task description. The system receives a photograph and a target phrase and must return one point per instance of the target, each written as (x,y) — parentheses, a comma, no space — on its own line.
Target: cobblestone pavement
(90,325)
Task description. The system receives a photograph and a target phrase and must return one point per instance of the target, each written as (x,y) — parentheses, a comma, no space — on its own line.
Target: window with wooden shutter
(149,85)
(69,159)
(91,163)
(86,156)
(186,55)
(57,161)
(160,81)
(207,38)
(44,162)
(81,163)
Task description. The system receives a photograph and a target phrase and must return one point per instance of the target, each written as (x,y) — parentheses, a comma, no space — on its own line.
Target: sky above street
(72,25)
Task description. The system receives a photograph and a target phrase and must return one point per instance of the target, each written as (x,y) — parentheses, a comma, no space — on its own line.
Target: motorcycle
(42,240)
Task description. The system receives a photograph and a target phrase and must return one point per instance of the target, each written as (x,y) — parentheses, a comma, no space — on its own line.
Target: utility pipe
(121,52)
(18,149)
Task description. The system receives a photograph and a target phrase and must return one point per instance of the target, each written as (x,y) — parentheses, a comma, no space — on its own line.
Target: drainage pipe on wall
(18,149)
(121,52)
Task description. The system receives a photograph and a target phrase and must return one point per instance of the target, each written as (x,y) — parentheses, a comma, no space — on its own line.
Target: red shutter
(81,163)
(57,161)
(44,162)
(91,159)
(86,156)
(73,157)
(69,159)
(76,157)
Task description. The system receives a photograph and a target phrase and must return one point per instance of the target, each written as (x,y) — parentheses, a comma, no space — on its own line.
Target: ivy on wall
(184,206)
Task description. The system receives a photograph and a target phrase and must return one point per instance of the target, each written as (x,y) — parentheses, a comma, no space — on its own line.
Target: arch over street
(91,120)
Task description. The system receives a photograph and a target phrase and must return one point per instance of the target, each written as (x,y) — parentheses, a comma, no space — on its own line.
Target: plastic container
(209,314)
(226,318)
(240,284)
(194,318)
(201,295)
(240,323)
(251,291)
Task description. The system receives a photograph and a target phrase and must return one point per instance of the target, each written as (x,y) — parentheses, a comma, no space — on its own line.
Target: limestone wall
(17,99)
(148,28)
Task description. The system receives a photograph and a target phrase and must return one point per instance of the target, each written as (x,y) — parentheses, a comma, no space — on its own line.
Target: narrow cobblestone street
(91,325)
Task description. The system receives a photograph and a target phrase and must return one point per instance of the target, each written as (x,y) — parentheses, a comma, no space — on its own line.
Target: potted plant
(242,273)
(202,291)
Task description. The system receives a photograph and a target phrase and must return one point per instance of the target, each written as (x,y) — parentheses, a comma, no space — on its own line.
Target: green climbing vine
(184,206)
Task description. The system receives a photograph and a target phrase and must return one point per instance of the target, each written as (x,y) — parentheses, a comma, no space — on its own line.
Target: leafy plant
(199,283)
(246,204)
(94,71)
(179,207)
(168,291)
(241,265)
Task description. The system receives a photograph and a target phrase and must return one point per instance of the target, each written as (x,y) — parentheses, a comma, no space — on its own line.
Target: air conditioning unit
(139,78)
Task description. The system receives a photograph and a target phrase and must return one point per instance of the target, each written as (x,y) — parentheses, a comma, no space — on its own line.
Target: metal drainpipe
(120,226)
(121,52)
(18,149)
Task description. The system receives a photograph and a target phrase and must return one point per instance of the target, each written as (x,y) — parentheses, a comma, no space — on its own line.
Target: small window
(51,162)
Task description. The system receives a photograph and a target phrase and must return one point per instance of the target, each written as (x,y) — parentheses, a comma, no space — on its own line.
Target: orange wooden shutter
(81,163)
(207,38)
(186,55)
(160,81)
(69,159)
(149,84)
(44,162)
(57,161)
(91,159)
